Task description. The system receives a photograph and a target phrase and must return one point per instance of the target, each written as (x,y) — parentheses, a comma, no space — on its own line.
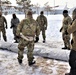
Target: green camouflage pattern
(28,27)
(65,24)
(2,27)
(42,21)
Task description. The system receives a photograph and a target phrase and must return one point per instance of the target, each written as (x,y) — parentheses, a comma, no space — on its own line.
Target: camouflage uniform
(72,57)
(14,22)
(29,28)
(2,26)
(42,21)
(66,38)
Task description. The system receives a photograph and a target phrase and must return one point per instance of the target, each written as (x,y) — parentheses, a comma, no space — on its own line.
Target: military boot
(20,61)
(64,47)
(43,41)
(31,63)
(67,74)
(16,41)
(5,39)
(37,39)
(68,48)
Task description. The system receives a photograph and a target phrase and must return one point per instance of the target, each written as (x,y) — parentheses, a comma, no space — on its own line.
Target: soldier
(72,56)
(27,29)
(14,22)
(66,22)
(42,21)
(3,26)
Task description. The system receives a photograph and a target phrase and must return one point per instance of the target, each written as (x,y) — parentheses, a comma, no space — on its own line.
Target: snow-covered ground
(8,60)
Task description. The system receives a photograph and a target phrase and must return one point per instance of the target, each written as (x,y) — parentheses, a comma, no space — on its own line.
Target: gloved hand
(60,29)
(66,32)
(45,28)
(37,39)
(17,36)
(6,27)
(72,41)
(12,26)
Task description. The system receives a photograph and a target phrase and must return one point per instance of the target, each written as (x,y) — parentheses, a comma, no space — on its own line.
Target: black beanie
(65,11)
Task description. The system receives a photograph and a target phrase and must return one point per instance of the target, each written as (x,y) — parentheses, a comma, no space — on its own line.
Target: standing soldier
(27,29)
(14,22)
(42,21)
(66,22)
(72,56)
(3,26)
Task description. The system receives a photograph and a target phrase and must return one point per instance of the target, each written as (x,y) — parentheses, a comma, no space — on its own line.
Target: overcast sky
(70,3)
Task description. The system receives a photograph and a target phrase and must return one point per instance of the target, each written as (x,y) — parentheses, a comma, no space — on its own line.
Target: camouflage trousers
(14,32)
(43,34)
(3,33)
(66,39)
(30,46)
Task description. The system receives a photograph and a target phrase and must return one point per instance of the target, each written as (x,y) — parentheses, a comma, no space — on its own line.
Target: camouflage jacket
(14,22)
(66,22)
(42,21)
(28,27)
(2,22)
(72,29)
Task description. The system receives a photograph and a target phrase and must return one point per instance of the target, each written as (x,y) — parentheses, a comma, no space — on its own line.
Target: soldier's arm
(12,25)
(5,21)
(69,21)
(46,23)
(61,27)
(37,19)
(72,28)
(37,30)
(19,28)
(18,21)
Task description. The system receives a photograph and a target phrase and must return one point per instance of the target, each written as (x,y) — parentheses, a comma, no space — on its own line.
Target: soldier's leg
(72,62)
(64,40)
(4,34)
(21,50)
(30,53)
(14,33)
(68,42)
(44,36)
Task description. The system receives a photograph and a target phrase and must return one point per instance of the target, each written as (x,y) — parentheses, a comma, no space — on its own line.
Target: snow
(44,66)
(9,65)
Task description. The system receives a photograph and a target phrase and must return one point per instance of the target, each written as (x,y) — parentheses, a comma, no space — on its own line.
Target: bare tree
(2,2)
(37,8)
(26,5)
(47,7)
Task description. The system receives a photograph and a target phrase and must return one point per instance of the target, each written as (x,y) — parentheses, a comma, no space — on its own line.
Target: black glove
(6,27)
(18,37)
(45,28)
(72,41)
(66,32)
(12,26)
(61,29)
(37,39)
